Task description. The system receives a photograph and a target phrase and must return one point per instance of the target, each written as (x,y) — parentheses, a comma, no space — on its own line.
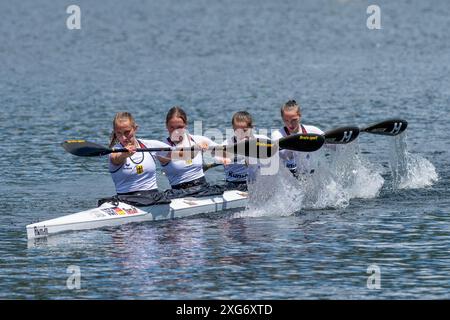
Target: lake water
(381,201)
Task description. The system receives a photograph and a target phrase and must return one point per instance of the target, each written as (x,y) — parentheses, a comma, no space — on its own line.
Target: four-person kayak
(119,213)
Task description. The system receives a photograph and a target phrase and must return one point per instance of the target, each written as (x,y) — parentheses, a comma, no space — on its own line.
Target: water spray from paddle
(341,174)
(409,171)
(271,195)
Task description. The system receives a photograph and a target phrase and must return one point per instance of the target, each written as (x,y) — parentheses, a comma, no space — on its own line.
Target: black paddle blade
(390,127)
(253,148)
(341,135)
(302,142)
(84,148)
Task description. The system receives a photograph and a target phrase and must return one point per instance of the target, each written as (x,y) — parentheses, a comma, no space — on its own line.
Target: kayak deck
(109,214)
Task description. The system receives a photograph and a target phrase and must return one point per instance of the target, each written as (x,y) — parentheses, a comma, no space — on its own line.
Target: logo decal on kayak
(98,215)
(109,211)
(40,231)
(116,211)
(132,210)
(120,211)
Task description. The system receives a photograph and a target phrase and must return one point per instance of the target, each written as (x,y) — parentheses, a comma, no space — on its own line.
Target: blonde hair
(290,105)
(120,116)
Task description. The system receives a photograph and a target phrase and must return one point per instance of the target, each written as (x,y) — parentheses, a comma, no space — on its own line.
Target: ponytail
(112,139)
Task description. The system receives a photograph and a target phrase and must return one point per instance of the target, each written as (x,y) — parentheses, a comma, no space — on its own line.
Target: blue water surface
(215,58)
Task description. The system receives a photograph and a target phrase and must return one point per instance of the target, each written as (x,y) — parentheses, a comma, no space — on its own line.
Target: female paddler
(134,173)
(297,162)
(239,170)
(185,173)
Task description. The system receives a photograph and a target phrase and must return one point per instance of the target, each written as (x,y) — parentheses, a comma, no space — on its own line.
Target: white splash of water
(341,173)
(273,195)
(409,171)
(360,178)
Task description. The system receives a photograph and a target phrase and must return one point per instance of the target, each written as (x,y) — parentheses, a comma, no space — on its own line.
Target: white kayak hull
(108,214)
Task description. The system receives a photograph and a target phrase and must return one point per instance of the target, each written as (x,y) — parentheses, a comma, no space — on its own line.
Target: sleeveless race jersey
(139,171)
(182,171)
(301,162)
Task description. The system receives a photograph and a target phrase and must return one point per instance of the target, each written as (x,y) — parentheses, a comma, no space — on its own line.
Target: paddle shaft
(185,149)
(161,149)
(268,145)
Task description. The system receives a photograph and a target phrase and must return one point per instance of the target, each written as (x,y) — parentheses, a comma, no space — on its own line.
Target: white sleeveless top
(238,170)
(139,171)
(293,160)
(181,171)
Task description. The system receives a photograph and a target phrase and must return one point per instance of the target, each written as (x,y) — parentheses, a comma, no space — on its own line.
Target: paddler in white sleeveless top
(185,174)
(239,170)
(296,162)
(134,173)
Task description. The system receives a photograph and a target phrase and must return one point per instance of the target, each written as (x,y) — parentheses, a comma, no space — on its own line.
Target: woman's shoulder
(278,134)
(199,139)
(261,136)
(313,129)
(154,143)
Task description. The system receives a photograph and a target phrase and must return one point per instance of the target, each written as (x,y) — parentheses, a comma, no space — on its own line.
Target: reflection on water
(316,254)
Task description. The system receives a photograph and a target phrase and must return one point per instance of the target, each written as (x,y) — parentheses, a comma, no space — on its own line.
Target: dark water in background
(215,58)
